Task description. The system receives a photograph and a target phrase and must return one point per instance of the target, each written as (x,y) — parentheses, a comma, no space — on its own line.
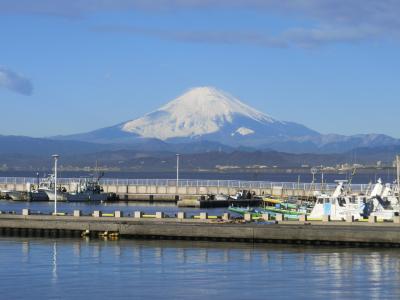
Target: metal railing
(238,184)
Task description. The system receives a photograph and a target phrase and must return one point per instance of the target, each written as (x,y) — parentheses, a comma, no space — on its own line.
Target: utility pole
(398,174)
(177,170)
(55,156)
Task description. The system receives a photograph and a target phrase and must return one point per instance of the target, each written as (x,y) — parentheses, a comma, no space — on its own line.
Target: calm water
(86,208)
(133,269)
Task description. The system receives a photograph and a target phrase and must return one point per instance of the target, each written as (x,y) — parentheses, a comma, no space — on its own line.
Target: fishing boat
(382,202)
(288,213)
(47,187)
(88,189)
(12,195)
(338,206)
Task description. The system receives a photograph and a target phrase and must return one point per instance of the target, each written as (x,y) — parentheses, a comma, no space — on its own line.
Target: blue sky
(73,66)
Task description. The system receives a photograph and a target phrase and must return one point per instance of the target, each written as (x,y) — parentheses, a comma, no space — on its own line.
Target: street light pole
(177,170)
(398,174)
(55,156)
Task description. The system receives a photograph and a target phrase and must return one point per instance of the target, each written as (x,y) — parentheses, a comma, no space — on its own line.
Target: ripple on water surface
(78,269)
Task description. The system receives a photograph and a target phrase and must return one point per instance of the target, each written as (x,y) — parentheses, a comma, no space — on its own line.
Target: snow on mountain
(208,115)
(200,111)
(243,131)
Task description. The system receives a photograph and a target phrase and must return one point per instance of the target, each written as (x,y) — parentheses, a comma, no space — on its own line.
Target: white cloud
(334,21)
(15,82)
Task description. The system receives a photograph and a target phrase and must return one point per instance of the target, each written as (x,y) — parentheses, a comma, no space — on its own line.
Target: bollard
(226,216)
(372,219)
(350,219)
(77,213)
(303,218)
(265,217)
(203,216)
(181,215)
(396,219)
(279,217)
(160,215)
(26,212)
(248,217)
(138,214)
(97,214)
(326,218)
(118,214)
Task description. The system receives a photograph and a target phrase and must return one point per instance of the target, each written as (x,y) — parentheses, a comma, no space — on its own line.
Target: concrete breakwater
(179,227)
(172,190)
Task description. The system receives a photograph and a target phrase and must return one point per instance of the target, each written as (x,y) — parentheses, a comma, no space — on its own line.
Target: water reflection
(203,267)
(54,270)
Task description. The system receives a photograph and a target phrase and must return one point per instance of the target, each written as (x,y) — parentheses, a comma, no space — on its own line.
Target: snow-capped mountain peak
(206,114)
(200,111)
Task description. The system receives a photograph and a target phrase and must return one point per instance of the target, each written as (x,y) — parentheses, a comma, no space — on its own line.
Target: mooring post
(203,216)
(97,214)
(248,217)
(226,216)
(138,215)
(181,215)
(326,218)
(303,218)
(265,217)
(118,214)
(160,215)
(372,219)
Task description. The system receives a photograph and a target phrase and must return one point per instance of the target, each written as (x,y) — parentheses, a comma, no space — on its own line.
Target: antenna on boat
(351,178)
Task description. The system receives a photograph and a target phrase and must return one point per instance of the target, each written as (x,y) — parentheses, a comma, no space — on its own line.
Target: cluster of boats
(87,189)
(380,200)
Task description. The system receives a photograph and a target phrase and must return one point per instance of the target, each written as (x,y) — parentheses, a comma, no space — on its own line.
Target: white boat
(12,195)
(87,190)
(382,202)
(46,187)
(61,196)
(338,206)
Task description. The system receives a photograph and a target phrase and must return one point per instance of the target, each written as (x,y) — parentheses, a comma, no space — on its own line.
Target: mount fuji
(207,114)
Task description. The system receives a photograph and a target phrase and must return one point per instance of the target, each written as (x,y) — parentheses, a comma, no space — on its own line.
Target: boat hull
(82,197)
(61,196)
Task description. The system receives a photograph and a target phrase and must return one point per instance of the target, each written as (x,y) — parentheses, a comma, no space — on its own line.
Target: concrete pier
(169,190)
(325,233)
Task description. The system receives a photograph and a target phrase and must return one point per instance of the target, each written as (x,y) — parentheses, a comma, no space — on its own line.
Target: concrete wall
(385,234)
(173,190)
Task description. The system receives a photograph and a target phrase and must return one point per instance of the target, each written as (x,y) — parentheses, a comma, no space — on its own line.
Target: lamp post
(177,170)
(55,156)
(313,172)
(398,174)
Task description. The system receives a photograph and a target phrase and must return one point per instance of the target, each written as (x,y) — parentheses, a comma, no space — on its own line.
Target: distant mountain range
(206,114)
(211,128)
(32,154)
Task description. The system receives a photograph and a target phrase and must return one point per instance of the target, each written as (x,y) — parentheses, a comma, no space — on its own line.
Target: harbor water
(80,268)
(37,268)
(110,207)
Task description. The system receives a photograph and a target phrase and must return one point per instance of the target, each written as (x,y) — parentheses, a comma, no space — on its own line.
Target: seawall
(325,233)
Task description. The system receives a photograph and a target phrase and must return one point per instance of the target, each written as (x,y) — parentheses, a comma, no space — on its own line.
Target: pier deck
(325,233)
